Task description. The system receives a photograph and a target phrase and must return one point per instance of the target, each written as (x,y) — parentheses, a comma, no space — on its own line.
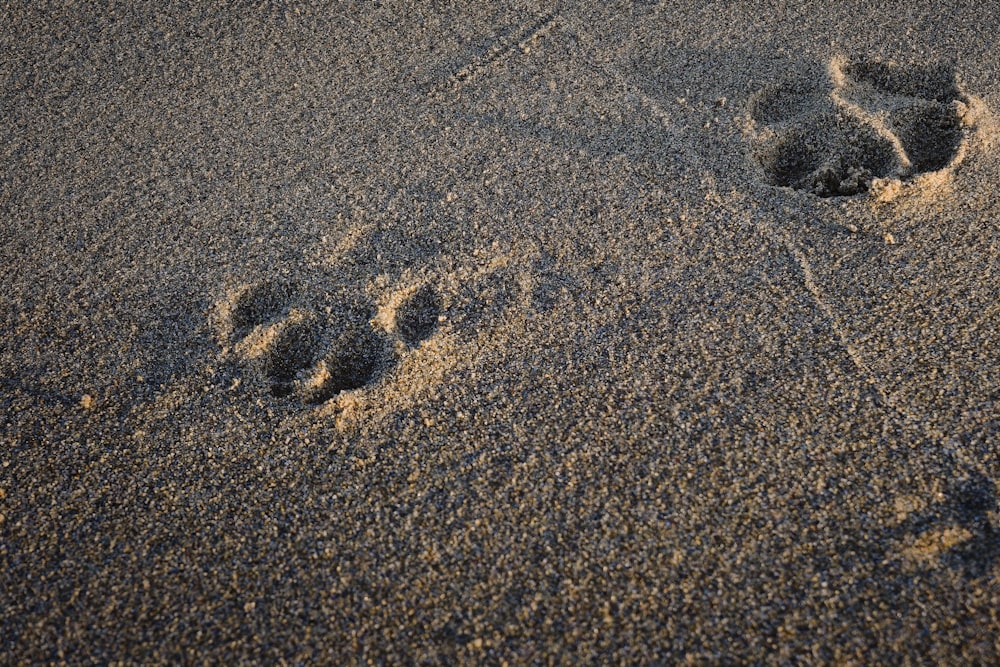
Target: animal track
(959,531)
(834,155)
(873,120)
(253,305)
(280,350)
(297,350)
(518,37)
(417,317)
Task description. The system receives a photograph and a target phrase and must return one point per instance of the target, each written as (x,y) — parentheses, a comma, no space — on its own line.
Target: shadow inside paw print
(930,134)
(832,155)
(352,362)
(934,81)
(959,531)
(971,503)
(257,304)
(285,348)
(873,120)
(417,317)
(298,351)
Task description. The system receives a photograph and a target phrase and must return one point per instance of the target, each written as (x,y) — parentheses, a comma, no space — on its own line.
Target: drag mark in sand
(634,96)
(886,399)
(313,354)
(984,533)
(519,38)
(817,295)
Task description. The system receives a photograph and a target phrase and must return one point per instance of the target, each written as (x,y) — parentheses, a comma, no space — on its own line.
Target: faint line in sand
(819,298)
(517,39)
(887,399)
(632,93)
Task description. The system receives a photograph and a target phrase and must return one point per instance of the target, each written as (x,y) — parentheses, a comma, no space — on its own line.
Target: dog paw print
(871,120)
(297,350)
(417,316)
(959,530)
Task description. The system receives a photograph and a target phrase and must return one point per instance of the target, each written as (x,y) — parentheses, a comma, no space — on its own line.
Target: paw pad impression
(296,350)
(872,120)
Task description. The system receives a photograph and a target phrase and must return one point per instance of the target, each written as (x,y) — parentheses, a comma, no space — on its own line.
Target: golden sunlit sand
(422,333)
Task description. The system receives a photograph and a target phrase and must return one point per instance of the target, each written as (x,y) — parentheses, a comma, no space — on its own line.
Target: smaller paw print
(959,530)
(300,351)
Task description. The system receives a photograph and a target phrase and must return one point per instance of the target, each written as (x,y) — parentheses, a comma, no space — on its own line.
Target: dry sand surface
(529,333)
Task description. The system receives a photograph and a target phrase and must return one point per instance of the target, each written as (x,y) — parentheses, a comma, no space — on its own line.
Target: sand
(434,333)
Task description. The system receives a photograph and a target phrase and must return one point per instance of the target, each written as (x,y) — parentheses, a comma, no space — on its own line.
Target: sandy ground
(434,333)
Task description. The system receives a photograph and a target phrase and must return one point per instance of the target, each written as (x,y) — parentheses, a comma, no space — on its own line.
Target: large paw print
(871,120)
(312,354)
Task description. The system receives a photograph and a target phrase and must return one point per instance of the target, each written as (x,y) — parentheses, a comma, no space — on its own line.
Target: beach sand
(520,333)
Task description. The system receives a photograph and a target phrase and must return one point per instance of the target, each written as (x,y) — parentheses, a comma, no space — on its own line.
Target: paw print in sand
(960,530)
(297,350)
(871,120)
